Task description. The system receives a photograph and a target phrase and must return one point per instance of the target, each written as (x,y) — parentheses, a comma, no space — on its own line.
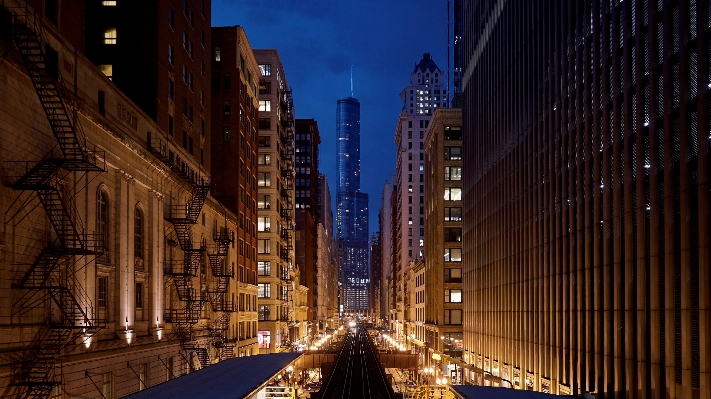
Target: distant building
(327,262)
(376,264)
(352,210)
(307,208)
(426,92)
(454,52)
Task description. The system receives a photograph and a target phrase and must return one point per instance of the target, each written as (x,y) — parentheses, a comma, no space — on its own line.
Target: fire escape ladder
(38,367)
(217,296)
(50,277)
(183,217)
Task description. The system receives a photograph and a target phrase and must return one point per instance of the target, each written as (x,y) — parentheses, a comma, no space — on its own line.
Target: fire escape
(50,281)
(218,295)
(287,194)
(182,272)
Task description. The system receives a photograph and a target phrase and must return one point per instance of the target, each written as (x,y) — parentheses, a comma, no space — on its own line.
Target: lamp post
(490,377)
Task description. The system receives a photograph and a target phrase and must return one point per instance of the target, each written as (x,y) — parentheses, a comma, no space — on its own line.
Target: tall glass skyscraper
(352,210)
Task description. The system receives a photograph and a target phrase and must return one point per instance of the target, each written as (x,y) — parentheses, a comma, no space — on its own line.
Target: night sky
(319,41)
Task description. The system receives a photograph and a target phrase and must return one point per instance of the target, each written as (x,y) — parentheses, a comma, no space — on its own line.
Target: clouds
(318,41)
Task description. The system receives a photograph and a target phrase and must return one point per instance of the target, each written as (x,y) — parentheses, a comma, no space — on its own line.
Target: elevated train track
(357,373)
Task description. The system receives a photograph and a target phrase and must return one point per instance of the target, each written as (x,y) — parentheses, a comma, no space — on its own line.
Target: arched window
(138,234)
(102,221)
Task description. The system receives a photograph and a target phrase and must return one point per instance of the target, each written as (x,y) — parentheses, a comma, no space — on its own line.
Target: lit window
(108,3)
(108,70)
(265,69)
(452,193)
(217,54)
(264,223)
(265,105)
(110,36)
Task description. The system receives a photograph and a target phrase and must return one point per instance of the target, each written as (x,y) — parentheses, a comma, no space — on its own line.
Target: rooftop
(235,378)
(481,392)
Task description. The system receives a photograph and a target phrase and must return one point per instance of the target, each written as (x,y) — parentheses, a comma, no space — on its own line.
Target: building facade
(443,233)
(118,262)
(275,203)
(158,54)
(307,208)
(376,265)
(385,221)
(235,78)
(327,262)
(352,210)
(426,92)
(586,195)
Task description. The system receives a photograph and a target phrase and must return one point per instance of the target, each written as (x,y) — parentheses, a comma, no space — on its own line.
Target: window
(138,234)
(453,316)
(139,295)
(265,105)
(453,235)
(452,193)
(265,141)
(265,69)
(453,153)
(265,87)
(264,313)
(227,107)
(171,18)
(453,296)
(110,35)
(171,90)
(264,201)
(264,159)
(102,220)
(264,268)
(452,173)
(108,3)
(103,292)
(452,132)
(452,254)
(226,137)
(264,246)
(108,70)
(264,223)
(227,82)
(265,123)
(217,53)
(453,275)
(453,214)
(264,179)
(171,54)
(264,290)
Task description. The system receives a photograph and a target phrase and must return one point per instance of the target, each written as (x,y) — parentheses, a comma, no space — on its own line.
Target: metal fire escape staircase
(51,276)
(182,218)
(287,193)
(218,295)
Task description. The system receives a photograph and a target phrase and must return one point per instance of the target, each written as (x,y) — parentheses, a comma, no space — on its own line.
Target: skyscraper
(352,209)
(426,91)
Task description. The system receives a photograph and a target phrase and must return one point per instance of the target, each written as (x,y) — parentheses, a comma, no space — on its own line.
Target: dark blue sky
(318,41)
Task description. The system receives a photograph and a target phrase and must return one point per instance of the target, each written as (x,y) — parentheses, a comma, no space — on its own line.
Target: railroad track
(357,372)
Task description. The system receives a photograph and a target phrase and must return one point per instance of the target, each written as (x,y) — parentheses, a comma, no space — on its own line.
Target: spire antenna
(351,80)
